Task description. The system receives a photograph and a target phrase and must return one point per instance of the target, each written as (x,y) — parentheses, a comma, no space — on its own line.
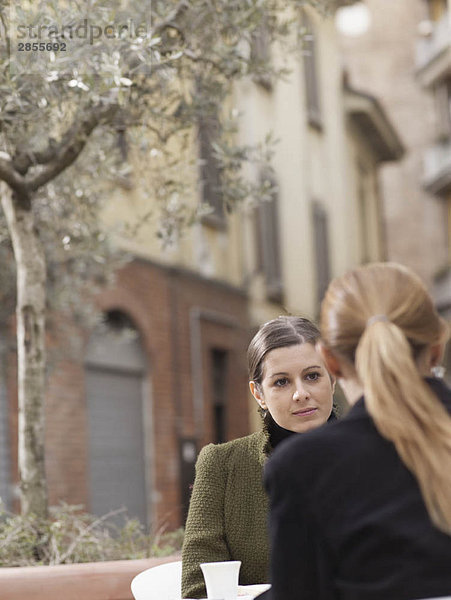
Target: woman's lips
(305,412)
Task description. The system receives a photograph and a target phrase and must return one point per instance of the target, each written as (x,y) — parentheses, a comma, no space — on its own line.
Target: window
(261,56)
(363,213)
(321,247)
(210,176)
(268,242)
(188,455)
(122,142)
(123,170)
(443,105)
(312,92)
(219,363)
(448,234)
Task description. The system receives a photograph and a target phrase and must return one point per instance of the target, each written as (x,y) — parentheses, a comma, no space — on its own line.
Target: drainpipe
(175,356)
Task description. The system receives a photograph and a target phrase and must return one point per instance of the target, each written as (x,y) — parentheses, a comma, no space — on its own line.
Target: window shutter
(261,55)
(443,104)
(321,246)
(312,92)
(268,244)
(210,176)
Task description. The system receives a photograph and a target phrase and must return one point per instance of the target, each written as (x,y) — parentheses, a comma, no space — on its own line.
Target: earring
(438,371)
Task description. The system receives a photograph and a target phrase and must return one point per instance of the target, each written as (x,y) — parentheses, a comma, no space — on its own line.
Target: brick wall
(177,314)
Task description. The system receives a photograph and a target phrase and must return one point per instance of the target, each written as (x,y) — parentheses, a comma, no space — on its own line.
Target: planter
(81,581)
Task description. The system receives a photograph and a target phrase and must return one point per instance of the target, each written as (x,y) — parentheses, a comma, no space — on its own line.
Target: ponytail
(379,317)
(407,413)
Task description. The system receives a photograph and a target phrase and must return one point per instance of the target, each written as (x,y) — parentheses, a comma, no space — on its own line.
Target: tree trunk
(31,277)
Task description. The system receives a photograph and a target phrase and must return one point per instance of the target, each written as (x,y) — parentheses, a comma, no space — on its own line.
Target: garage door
(115,376)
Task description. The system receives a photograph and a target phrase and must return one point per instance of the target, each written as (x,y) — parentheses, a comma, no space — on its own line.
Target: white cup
(221,579)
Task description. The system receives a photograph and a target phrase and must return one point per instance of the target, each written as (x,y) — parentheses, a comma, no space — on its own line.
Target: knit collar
(274,434)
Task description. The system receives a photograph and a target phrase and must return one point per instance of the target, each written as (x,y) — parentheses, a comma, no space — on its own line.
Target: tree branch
(203,59)
(11,177)
(7,38)
(198,58)
(171,19)
(24,160)
(72,143)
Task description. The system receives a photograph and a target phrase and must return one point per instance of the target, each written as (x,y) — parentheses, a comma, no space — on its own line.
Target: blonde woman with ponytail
(362,510)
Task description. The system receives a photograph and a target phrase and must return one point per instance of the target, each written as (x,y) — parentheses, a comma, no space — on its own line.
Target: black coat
(347,520)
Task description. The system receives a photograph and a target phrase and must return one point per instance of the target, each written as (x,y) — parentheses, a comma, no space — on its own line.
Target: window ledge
(274,293)
(315,121)
(214,221)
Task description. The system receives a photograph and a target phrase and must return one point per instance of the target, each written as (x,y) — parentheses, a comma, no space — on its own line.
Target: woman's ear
(437,352)
(330,360)
(256,392)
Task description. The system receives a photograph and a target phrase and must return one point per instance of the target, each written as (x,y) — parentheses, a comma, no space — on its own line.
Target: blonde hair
(382,318)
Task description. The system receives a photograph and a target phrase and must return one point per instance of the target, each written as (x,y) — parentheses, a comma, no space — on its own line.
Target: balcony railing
(439,41)
(437,167)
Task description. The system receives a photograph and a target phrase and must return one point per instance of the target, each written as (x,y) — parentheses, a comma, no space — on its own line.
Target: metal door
(115,375)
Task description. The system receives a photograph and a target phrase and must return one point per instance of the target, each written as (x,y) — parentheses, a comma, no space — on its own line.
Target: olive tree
(76,77)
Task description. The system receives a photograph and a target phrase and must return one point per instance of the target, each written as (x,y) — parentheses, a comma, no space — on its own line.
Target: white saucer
(252,590)
(238,598)
(248,592)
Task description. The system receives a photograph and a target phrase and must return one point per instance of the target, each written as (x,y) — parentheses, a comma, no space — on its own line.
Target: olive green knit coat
(227,518)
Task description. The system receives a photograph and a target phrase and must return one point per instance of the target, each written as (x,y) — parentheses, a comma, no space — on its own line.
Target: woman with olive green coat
(228,513)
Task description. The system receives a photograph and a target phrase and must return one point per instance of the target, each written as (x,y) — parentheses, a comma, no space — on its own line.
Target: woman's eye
(281,382)
(312,376)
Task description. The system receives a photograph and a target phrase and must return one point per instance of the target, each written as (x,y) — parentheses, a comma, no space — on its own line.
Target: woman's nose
(300,392)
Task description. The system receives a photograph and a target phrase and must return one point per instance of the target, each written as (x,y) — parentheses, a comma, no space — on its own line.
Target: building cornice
(368,115)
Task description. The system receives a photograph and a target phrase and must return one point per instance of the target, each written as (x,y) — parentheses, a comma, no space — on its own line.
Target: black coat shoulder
(347,518)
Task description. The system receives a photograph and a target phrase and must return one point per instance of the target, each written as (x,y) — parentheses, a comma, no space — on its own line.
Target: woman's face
(296,388)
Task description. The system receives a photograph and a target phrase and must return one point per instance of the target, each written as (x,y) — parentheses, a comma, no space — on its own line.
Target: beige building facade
(166,372)
(326,214)
(433,63)
(404,58)
(412,77)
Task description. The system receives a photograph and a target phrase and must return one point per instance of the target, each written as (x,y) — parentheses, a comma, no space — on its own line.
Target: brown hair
(381,318)
(278,333)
